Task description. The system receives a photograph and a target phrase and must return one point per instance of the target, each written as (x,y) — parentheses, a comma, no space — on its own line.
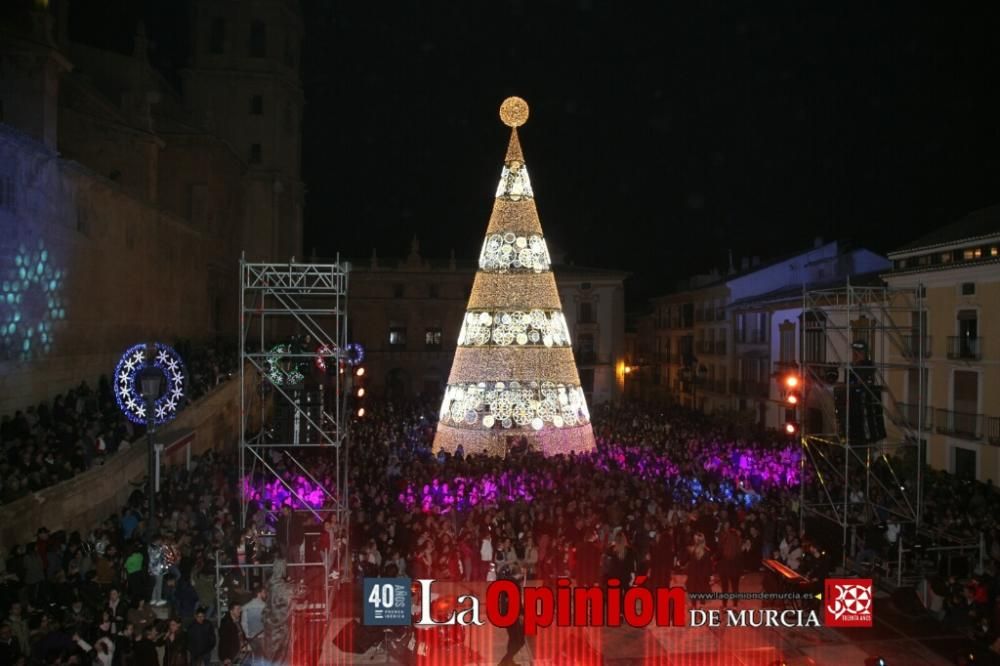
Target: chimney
(755,262)
(818,242)
(744,263)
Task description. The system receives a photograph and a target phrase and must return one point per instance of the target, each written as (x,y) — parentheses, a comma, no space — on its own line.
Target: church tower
(244,84)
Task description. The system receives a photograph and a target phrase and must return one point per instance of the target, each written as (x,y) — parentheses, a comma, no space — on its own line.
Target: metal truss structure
(857,480)
(291,315)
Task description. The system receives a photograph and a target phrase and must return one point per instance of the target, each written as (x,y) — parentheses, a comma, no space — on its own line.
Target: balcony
(960,424)
(912,346)
(965,348)
(909,416)
(993,430)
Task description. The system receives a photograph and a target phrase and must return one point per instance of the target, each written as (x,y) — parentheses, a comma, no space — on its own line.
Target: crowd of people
(670,495)
(57,439)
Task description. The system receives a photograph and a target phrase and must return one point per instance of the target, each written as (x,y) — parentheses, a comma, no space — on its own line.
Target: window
(258,39)
(397,291)
(397,336)
(587,382)
(815,339)
(257,105)
(946,257)
(585,346)
(289,118)
(968,289)
(586,313)
(255,153)
(994,251)
(761,334)
(741,331)
(432,291)
(217,36)
(972,254)
(432,338)
(786,331)
(963,463)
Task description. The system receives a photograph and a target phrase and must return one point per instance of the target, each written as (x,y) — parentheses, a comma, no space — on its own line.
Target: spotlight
(361,392)
(791,381)
(361,412)
(791,428)
(360,372)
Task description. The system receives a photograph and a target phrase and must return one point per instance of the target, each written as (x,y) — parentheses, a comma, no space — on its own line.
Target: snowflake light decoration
(323,352)
(510,404)
(509,252)
(31,303)
(525,328)
(128,393)
(355,353)
(283,371)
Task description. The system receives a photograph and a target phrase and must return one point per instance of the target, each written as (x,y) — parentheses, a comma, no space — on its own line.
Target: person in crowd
(699,569)
(730,561)
(175,644)
(201,639)
(252,620)
(231,636)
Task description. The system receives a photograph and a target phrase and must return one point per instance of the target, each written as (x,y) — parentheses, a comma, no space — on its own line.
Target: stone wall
(86,271)
(83,501)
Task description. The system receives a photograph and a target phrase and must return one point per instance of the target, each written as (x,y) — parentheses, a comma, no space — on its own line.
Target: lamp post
(150,383)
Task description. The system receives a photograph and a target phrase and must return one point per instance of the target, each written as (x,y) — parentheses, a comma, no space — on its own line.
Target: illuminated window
(432,338)
(946,258)
(972,253)
(397,336)
(994,251)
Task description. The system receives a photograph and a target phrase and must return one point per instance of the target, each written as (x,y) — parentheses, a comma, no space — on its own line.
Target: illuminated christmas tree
(514,377)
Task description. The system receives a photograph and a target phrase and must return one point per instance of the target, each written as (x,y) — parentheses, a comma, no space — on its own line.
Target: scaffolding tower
(859,346)
(293,337)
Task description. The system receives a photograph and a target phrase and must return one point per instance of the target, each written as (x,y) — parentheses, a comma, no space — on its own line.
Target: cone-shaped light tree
(514,377)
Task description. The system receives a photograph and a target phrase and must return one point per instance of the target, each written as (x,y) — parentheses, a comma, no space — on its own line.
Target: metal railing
(960,424)
(909,416)
(993,429)
(965,347)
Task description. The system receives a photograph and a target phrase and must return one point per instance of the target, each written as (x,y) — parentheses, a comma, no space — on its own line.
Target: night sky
(659,137)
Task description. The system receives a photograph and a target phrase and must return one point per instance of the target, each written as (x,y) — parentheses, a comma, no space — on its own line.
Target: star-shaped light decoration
(127,394)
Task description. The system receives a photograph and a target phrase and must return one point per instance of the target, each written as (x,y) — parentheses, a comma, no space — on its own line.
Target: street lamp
(150,385)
